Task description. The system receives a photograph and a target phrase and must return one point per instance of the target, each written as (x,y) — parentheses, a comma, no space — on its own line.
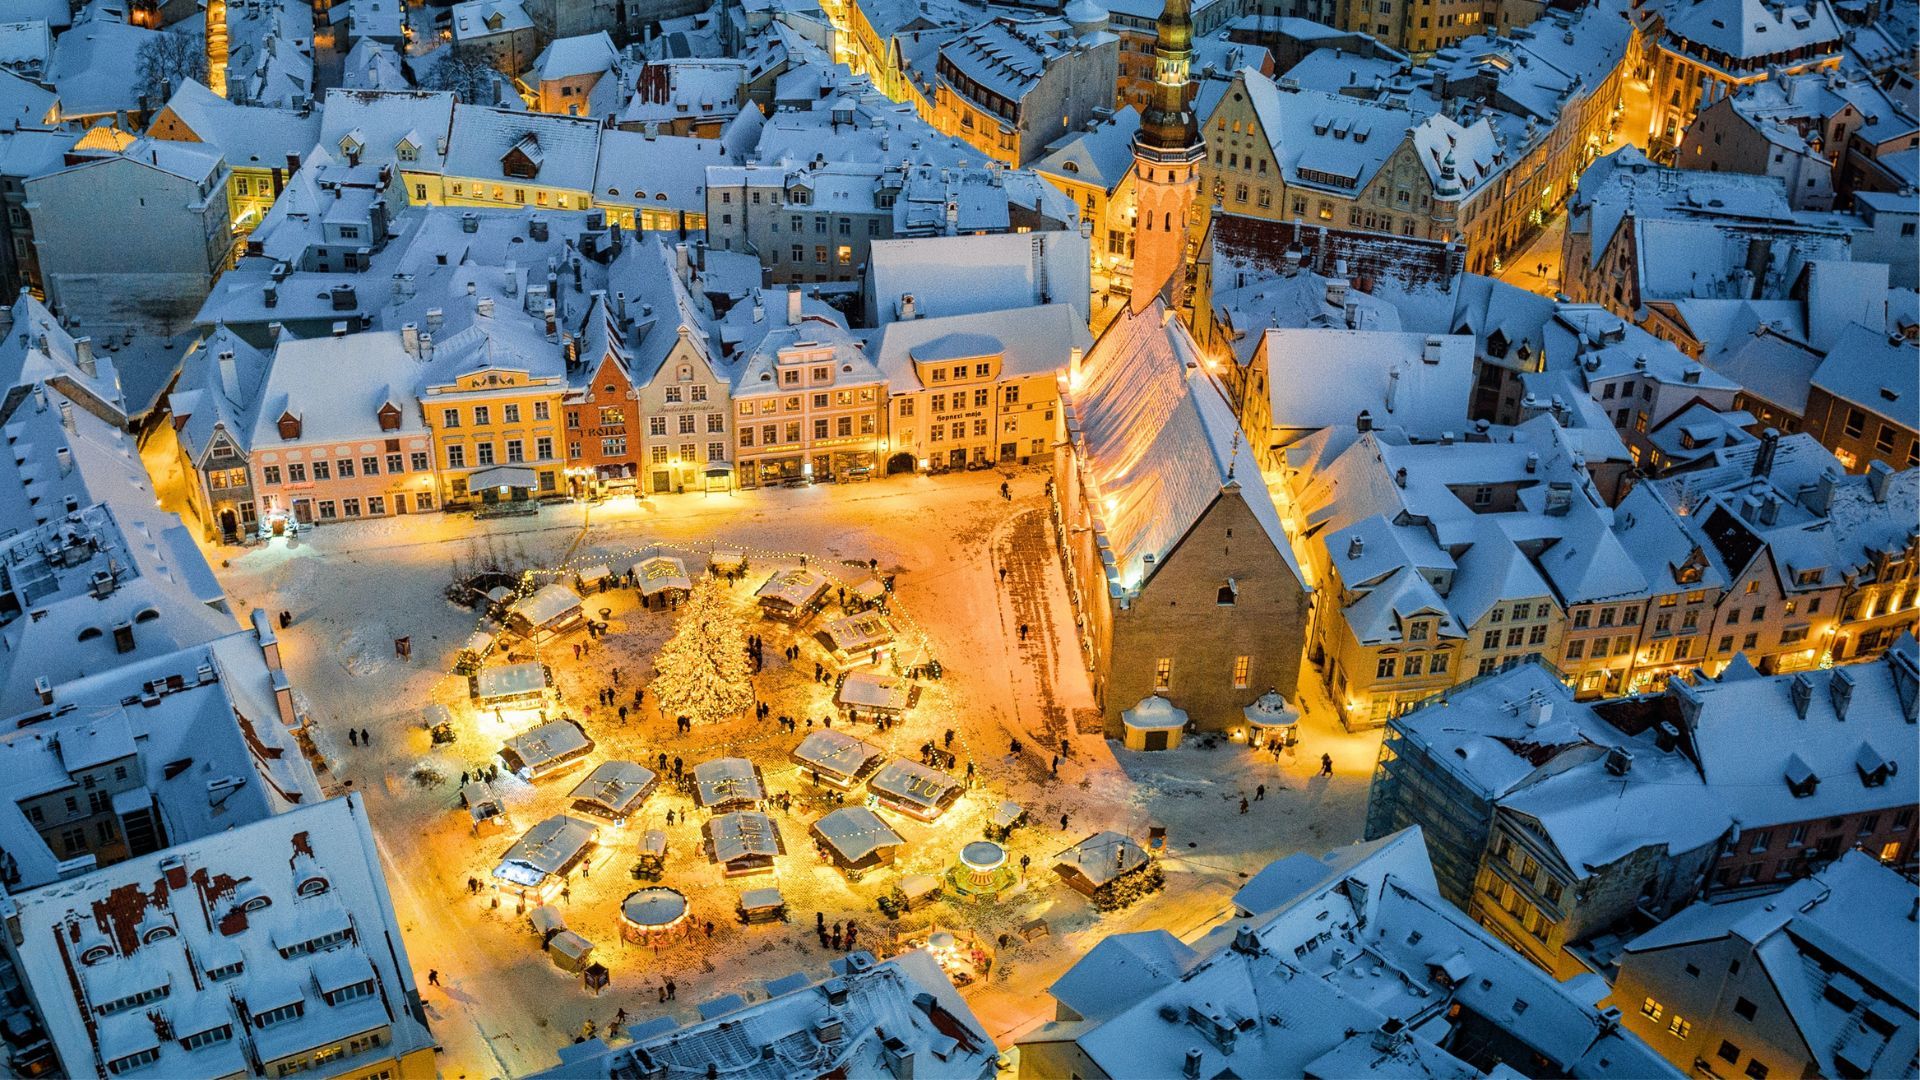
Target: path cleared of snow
(502,1008)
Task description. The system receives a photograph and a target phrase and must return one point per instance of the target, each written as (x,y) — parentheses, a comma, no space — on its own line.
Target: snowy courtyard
(969,570)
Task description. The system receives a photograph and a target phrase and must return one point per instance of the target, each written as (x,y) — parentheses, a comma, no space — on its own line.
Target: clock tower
(1166,160)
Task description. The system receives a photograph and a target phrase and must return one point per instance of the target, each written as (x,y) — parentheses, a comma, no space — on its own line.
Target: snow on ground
(502,1008)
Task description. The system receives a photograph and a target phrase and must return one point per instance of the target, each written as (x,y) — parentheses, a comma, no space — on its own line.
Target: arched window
(258,903)
(146,615)
(96,954)
(313,886)
(89,633)
(158,933)
(1166,222)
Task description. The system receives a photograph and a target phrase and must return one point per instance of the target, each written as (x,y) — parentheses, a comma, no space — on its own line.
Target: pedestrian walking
(1003,575)
(1006,492)
(663,993)
(366,738)
(949,739)
(836,937)
(1056,764)
(1023,631)
(1259,792)
(623,714)
(353,737)
(677,768)
(433,977)
(1243,804)
(616,679)
(709,929)
(672,990)
(464,778)
(576,650)
(1326,764)
(669,817)
(1063,823)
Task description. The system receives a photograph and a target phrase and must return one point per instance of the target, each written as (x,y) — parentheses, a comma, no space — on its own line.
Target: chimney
(484,306)
(1400,477)
(908,310)
(435,318)
(1430,353)
(1769,447)
(1355,547)
(230,376)
(1559,498)
(410,339)
(1533,463)
(44,687)
(426,347)
(1074,357)
(1801,690)
(793,307)
(898,1056)
(1539,712)
(64,456)
(1619,761)
(537,229)
(1759,257)
(1817,497)
(66,414)
(469,222)
(1337,286)
(1769,508)
(620,307)
(1290,260)
(83,355)
(1666,736)
(1364,422)
(1840,689)
(1879,475)
(1191,1069)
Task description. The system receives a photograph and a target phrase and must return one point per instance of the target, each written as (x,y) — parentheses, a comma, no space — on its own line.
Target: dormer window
(96,954)
(313,886)
(289,425)
(1809,577)
(406,151)
(390,417)
(258,903)
(158,933)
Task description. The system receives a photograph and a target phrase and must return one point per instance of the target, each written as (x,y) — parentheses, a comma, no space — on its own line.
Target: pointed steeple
(1168,130)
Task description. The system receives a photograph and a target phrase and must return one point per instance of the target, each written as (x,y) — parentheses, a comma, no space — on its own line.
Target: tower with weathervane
(1166,158)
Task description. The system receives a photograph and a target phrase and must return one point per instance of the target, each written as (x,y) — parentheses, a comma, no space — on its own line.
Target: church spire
(1166,154)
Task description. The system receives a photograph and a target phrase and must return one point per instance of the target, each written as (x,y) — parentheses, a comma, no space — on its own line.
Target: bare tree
(466,71)
(165,62)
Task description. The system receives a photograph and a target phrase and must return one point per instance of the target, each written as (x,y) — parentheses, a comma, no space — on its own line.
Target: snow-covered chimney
(229,376)
(1879,476)
(1075,356)
(1337,286)
(908,310)
(793,307)
(83,355)
(1356,547)
(410,339)
(66,414)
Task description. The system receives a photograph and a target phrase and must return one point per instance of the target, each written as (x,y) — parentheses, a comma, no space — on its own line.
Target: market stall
(868,694)
(597,578)
(550,748)
(856,840)
(1110,868)
(551,611)
(660,579)
(855,640)
(614,790)
(743,842)
(537,864)
(1154,724)
(868,592)
(794,595)
(511,686)
(485,810)
(914,789)
(725,784)
(1271,719)
(836,758)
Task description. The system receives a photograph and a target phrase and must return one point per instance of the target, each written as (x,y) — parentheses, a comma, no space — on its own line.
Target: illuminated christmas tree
(703,671)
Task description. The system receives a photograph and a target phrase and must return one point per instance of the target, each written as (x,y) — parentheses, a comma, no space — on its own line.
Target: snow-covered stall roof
(725,782)
(744,836)
(511,681)
(550,605)
(793,590)
(1157,442)
(660,573)
(914,788)
(837,755)
(546,747)
(880,693)
(614,789)
(856,834)
(857,634)
(548,849)
(1271,709)
(1101,858)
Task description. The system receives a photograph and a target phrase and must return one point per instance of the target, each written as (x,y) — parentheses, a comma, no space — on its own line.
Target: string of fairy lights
(935,705)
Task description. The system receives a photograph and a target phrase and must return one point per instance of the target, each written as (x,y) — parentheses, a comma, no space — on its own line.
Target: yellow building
(495,423)
(974,389)
(263,147)
(498,157)
(1095,169)
(1707,51)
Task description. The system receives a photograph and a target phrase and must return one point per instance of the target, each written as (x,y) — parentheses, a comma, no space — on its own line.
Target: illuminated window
(1163,673)
(1242,666)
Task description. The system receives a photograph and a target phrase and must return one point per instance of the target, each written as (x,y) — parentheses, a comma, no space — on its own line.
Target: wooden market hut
(793,595)
(614,790)
(547,749)
(725,784)
(914,789)
(856,840)
(836,758)
(743,842)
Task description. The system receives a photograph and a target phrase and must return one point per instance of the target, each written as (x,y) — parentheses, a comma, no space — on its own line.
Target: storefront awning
(501,476)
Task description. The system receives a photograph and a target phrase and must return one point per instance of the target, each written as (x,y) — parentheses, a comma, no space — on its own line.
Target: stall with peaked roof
(725,784)
(547,749)
(793,595)
(552,610)
(743,842)
(836,758)
(537,864)
(614,790)
(856,840)
(914,789)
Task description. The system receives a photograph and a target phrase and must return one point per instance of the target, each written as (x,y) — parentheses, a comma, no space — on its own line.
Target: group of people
(837,939)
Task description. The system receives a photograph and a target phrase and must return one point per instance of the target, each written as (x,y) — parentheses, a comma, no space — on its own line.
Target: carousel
(653,915)
(982,870)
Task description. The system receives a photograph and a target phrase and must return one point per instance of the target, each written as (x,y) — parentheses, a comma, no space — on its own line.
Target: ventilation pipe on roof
(1356,547)
(1763,459)
(1191,1068)
(1879,476)
(794,299)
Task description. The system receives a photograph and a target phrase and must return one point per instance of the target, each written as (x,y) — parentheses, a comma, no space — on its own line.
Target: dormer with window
(523,159)
(390,416)
(314,886)
(289,425)
(1800,777)
(407,151)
